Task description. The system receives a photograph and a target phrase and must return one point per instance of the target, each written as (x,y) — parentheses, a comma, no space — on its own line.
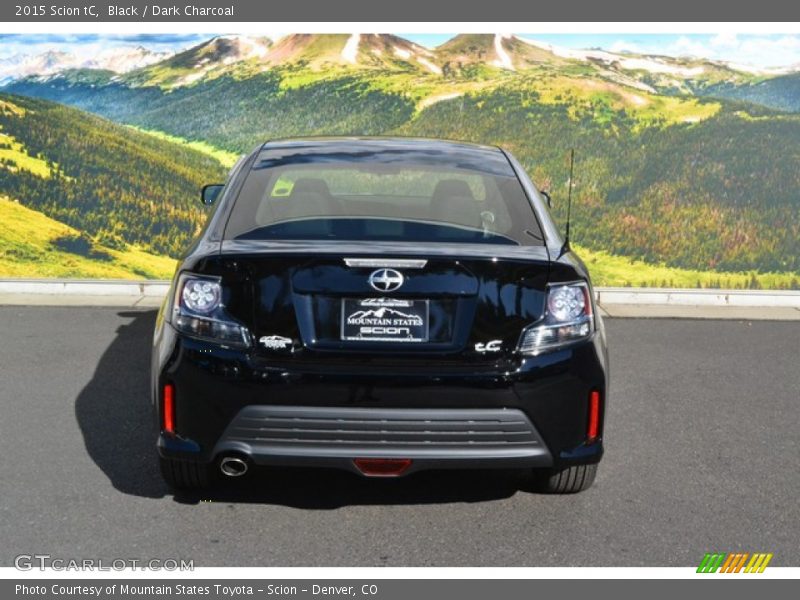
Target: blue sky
(759,50)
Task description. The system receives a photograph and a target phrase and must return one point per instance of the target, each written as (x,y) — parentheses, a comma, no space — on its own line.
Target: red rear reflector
(169,408)
(382,467)
(593,426)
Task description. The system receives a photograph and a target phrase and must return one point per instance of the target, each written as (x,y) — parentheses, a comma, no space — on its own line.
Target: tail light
(199,311)
(568,318)
(168,408)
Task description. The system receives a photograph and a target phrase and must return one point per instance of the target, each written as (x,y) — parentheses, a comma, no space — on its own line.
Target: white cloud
(756,51)
(685,46)
(759,51)
(725,40)
(625,46)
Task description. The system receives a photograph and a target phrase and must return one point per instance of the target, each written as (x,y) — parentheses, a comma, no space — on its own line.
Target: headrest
(308,185)
(452,188)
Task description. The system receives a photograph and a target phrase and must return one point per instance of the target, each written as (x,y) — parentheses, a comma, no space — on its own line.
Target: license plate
(384,320)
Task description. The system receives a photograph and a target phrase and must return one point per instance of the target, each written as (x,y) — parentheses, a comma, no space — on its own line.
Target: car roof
(381,141)
(388,150)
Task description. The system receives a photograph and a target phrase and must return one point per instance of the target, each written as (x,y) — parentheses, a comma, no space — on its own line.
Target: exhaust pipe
(232,466)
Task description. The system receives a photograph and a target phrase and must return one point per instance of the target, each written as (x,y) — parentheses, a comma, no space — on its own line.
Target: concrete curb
(704,297)
(84,287)
(614,302)
(77,292)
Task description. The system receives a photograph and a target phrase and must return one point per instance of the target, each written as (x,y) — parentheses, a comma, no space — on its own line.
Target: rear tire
(184,475)
(569,480)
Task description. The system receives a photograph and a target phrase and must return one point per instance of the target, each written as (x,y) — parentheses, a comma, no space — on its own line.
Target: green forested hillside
(666,177)
(719,194)
(236,114)
(780,93)
(116,185)
(34,245)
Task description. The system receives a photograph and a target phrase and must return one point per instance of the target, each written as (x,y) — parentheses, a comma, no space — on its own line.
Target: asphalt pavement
(701,455)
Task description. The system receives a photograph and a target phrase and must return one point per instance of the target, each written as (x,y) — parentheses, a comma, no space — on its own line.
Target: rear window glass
(402,199)
(407,183)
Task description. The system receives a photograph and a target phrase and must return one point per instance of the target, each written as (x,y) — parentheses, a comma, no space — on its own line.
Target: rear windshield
(383,196)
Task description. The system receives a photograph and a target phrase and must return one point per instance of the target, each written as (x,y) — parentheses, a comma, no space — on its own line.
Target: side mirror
(547,198)
(210,193)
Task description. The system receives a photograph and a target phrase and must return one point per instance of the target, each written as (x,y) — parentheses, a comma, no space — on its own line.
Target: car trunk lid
(448,302)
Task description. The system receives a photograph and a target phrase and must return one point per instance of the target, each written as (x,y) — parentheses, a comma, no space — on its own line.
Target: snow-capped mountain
(658,72)
(119,60)
(212,56)
(506,52)
(358,50)
(221,51)
(122,60)
(463,62)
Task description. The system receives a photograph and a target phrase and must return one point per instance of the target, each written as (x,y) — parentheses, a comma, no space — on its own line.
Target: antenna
(565,248)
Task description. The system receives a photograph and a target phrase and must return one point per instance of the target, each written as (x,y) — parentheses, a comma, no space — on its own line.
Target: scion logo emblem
(386,280)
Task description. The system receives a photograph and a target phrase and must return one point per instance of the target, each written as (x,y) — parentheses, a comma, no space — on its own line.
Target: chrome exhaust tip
(232,466)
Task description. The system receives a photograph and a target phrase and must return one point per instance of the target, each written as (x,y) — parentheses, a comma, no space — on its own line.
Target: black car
(379,305)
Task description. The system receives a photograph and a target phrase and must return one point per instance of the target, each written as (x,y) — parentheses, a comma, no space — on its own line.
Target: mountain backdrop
(686,169)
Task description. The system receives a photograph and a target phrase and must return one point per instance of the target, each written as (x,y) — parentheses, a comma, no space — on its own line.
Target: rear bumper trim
(432,438)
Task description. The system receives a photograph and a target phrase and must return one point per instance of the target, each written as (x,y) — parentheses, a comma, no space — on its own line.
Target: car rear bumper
(430,438)
(530,414)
